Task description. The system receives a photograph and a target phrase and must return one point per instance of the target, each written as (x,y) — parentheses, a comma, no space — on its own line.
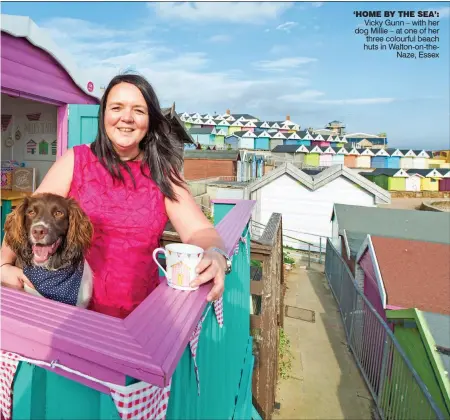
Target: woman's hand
(211,267)
(14,278)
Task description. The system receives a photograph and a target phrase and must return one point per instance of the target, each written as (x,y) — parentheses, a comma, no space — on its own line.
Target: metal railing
(315,250)
(396,388)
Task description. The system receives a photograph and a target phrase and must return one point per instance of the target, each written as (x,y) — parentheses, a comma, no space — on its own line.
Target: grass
(284,355)
(287,259)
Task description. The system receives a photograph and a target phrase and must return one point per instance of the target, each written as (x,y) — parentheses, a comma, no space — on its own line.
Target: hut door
(83,124)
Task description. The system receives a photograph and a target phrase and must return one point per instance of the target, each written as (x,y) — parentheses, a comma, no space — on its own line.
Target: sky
(268,59)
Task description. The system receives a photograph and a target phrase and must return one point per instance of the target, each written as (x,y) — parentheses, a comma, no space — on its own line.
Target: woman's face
(126,119)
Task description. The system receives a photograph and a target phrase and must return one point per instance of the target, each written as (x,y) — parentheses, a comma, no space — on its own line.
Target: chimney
(228,112)
(288,118)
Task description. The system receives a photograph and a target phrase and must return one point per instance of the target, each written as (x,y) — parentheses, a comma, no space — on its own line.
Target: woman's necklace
(129,160)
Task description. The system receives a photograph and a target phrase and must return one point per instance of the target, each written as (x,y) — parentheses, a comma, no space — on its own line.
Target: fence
(266,288)
(310,243)
(396,388)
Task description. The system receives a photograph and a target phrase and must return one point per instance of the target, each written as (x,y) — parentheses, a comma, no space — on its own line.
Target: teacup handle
(156,251)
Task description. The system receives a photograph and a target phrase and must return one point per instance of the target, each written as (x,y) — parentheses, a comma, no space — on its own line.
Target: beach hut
(209,123)
(293,139)
(247,139)
(364,159)
(319,141)
(444,182)
(305,136)
(421,160)
(413,182)
(393,160)
(231,142)
(234,126)
(339,155)
(340,141)
(389,179)
(279,136)
(203,135)
(219,140)
(39,84)
(223,125)
(312,158)
(326,157)
(249,126)
(406,162)
(421,335)
(262,141)
(380,158)
(350,158)
(430,178)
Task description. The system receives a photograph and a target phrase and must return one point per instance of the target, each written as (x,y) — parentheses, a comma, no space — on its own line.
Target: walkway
(325,382)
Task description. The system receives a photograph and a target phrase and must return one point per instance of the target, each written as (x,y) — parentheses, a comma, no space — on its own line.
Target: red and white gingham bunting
(8,367)
(140,401)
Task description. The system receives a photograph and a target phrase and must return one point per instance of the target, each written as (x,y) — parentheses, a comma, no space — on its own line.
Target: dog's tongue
(42,252)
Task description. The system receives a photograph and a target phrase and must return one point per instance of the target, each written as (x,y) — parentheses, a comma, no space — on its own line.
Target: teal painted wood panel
(221,374)
(83,124)
(220,211)
(243,409)
(43,395)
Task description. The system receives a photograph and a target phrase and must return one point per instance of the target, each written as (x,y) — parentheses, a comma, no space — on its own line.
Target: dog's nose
(39,232)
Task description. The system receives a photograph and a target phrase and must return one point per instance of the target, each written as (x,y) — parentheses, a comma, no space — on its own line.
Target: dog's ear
(16,236)
(79,234)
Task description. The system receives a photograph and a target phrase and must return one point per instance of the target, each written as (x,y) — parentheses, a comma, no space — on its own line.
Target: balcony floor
(324,382)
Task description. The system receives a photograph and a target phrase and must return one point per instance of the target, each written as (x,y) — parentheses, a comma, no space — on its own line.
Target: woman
(128,182)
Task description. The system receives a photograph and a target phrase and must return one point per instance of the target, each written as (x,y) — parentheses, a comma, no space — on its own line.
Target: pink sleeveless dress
(128,225)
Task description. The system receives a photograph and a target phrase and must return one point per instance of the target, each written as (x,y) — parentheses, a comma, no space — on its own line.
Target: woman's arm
(59,177)
(190,222)
(194,228)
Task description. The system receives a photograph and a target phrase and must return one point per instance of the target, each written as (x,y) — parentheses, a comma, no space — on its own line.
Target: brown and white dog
(50,235)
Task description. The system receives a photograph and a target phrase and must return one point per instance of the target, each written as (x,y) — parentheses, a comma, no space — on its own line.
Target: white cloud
(288,63)
(220,38)
(207,12)
(185,77)
(305,96)
(317,4)
(287,26)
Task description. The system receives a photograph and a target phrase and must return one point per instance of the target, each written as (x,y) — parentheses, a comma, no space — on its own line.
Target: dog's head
(48,230)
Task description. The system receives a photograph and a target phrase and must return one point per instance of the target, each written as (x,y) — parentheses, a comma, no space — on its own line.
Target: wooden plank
(266,370)
(255,321)
(256,288)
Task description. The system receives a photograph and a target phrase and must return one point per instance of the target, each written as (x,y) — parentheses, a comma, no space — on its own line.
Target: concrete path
(325,382)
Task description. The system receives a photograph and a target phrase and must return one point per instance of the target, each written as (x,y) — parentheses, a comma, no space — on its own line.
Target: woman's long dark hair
(162,150)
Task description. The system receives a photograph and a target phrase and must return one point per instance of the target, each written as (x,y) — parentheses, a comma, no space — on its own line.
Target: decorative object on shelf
(24,179)
(18,135)
(9,142)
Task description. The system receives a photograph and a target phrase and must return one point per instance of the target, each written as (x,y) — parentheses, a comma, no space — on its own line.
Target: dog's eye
(58,213)
(31,213)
